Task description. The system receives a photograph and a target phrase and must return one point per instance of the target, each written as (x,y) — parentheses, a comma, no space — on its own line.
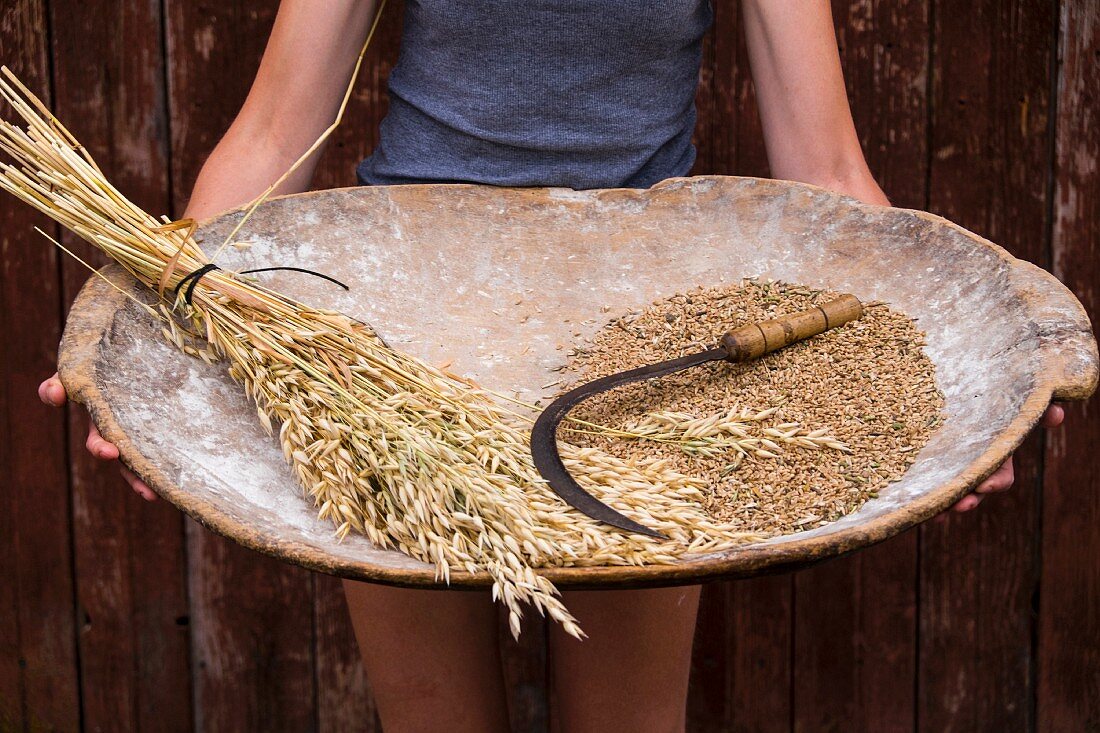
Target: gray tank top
(576,93)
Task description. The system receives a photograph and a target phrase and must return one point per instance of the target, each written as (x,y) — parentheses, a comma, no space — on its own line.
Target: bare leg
(431,657)
(631,673)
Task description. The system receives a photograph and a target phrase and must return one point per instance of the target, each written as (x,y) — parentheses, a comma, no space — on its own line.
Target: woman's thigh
(631,673)
(431,657)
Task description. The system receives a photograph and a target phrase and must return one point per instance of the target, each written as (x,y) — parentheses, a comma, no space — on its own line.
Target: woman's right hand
(298,90)
(52,392)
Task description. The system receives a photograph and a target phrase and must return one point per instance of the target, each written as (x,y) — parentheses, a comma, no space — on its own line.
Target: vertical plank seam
(930,113)
(729,640)
(994,197)
(859,631)
(66,427)
(314,657)
(1052,131)
(917,570)
(730,26)
(792,645)
(547,678)
(733,150)
(548,673)
(135,603)
(1055,77)
(6,417)
(192,631)
(929,141)
(7,458)
(185,536)
(20,708)
(166,110)
(17,615)
(859,705)
(127,507)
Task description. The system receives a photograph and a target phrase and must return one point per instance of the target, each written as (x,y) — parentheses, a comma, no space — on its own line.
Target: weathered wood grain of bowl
(498,281)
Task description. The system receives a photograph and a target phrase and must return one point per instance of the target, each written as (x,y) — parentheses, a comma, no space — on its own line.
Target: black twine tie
(191,279)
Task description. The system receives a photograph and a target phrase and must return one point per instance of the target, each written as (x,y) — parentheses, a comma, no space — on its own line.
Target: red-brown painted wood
(344,701)
(709,704)
(252,639)
(526,673)
(833,647)
(827,620)
(989,149)
(38,675)
(1069,603)
(762,652)
(131,580)
(213,51)
(885,52)
(718,118)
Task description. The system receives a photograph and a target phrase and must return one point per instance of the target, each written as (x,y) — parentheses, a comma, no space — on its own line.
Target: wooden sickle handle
(757,339)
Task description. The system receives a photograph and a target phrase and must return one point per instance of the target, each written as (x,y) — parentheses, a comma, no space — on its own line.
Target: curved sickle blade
(544,444)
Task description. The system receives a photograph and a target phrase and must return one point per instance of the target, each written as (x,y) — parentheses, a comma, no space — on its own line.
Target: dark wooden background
(120,615)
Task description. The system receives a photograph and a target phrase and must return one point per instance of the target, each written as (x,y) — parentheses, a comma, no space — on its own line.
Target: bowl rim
(1075,378)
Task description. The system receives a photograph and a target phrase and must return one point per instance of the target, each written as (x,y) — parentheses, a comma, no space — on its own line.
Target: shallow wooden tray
(497,281)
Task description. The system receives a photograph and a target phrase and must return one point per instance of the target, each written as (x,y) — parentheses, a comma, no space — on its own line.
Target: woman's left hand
(865,189)
(809,133)
(1002,478)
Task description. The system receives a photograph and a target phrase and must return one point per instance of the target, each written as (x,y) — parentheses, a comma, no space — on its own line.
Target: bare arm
(297,92)
(808,130)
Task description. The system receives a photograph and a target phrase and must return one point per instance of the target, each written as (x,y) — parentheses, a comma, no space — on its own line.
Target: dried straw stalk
(413,457)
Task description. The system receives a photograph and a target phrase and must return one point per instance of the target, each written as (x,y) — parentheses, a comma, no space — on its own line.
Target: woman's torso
(577,93)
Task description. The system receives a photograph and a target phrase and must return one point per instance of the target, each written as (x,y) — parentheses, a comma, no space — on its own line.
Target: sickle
(741,344)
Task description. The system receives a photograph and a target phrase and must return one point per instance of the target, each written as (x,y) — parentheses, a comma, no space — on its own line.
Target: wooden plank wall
(120,615)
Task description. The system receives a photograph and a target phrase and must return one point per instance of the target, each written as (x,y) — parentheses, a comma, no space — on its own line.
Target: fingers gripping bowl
(497,282)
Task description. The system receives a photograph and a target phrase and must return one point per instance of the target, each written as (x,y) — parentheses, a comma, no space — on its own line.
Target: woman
(578,93)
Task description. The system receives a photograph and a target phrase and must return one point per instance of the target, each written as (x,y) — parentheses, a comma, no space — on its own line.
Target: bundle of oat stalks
(407,454)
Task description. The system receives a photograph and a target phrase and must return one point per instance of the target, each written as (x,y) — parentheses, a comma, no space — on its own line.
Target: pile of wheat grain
(866,392)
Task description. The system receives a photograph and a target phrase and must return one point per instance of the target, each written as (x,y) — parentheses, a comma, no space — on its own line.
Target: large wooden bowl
(497,281)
